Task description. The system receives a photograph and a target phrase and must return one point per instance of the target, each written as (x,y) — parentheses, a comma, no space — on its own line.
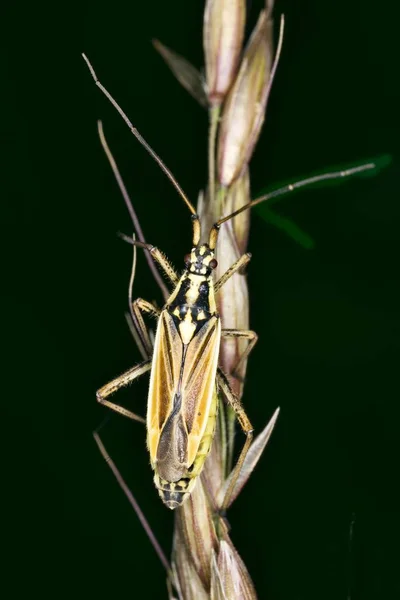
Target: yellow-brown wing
(164,378)
(198,382)
(181,387)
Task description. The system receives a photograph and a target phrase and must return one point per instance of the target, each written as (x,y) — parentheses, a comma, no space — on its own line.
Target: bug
(185,378)
(183,400)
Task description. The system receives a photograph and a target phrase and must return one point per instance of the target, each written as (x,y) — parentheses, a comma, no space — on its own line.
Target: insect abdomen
(174,494)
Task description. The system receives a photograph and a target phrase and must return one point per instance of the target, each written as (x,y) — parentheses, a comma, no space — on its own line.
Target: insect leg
(247,428)
(239,264)
(119,382)
(164,264)
(247,334)
(157,255)
(146,307)
(140,306)
(132,500)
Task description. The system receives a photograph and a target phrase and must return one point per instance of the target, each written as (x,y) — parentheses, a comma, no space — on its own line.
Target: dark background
(328,318)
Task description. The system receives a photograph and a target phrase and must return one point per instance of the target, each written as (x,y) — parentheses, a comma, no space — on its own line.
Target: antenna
(130,208)
(291,187)
(139,137)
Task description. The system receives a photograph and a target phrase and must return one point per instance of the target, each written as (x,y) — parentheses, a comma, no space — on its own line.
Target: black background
(328,318)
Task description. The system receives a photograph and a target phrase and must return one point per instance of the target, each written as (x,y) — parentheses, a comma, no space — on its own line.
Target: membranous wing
(181,388)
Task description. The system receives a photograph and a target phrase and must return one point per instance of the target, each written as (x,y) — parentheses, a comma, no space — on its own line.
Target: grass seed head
(230,578)
(243,112)
(224,22)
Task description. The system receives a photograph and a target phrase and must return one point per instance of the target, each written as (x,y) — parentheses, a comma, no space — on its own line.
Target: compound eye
(186,260)
(213,263)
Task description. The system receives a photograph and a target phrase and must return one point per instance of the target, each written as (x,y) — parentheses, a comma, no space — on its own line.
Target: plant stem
(212,136)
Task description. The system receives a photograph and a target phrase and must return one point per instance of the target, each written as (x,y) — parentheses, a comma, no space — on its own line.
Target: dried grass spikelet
(244,109)
(229,577)
(224,22)
(194,542)
(223,32)
(205,563)
(187,75)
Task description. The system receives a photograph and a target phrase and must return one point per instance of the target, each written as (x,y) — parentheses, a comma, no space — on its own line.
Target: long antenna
(130,208)
(139,137)
(291,187)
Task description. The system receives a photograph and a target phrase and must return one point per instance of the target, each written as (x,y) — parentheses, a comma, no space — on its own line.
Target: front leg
(158,256)
(163,262)
(119,382)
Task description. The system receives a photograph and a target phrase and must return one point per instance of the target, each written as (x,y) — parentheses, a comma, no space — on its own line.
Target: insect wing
(181,388)
(165,372)
(198,382)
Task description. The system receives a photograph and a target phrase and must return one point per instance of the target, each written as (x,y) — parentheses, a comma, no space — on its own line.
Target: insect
(185,379)
(183,401)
